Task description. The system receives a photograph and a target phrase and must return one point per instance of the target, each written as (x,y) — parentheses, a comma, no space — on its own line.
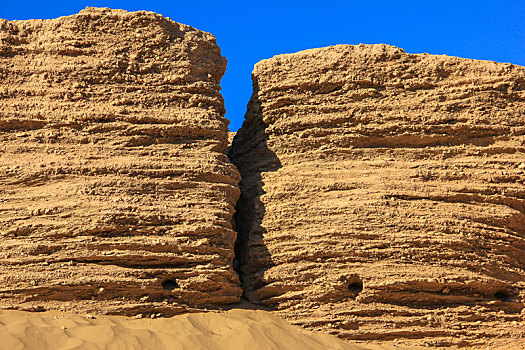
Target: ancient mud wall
(115,192)
(382,194)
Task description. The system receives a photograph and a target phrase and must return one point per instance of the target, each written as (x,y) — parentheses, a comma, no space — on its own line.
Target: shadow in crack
(252,156)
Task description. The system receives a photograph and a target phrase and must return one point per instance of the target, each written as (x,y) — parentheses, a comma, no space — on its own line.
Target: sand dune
(235,329)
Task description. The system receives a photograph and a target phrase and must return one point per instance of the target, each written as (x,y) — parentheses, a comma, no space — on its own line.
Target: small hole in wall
(502,295)
(169,285)
(355,287)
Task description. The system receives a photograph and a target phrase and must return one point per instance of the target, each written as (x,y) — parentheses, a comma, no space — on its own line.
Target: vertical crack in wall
(249,152)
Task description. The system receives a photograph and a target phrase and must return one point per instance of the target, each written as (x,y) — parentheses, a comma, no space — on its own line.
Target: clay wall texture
(116,195)
(382,194)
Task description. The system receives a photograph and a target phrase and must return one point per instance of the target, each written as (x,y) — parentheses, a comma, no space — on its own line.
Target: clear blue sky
(248,31)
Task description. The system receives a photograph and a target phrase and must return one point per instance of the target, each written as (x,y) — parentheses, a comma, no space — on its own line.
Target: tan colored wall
(115,192)
(383,194)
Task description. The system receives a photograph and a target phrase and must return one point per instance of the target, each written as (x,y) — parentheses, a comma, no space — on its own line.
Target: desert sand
(236,329)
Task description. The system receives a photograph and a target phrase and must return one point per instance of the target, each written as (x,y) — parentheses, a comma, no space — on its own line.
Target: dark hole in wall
(169,285)
(502,295)
(355,286)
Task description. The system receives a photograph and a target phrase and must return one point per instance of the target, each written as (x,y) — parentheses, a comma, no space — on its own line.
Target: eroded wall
(382,194)
(115,192)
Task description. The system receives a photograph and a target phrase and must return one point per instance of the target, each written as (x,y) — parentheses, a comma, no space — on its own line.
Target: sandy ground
(235,329)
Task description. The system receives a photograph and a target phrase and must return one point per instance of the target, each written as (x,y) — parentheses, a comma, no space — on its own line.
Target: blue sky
(248,31)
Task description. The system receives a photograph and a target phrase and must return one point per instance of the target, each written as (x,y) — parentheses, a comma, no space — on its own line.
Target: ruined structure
(116,195)
(382,194)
